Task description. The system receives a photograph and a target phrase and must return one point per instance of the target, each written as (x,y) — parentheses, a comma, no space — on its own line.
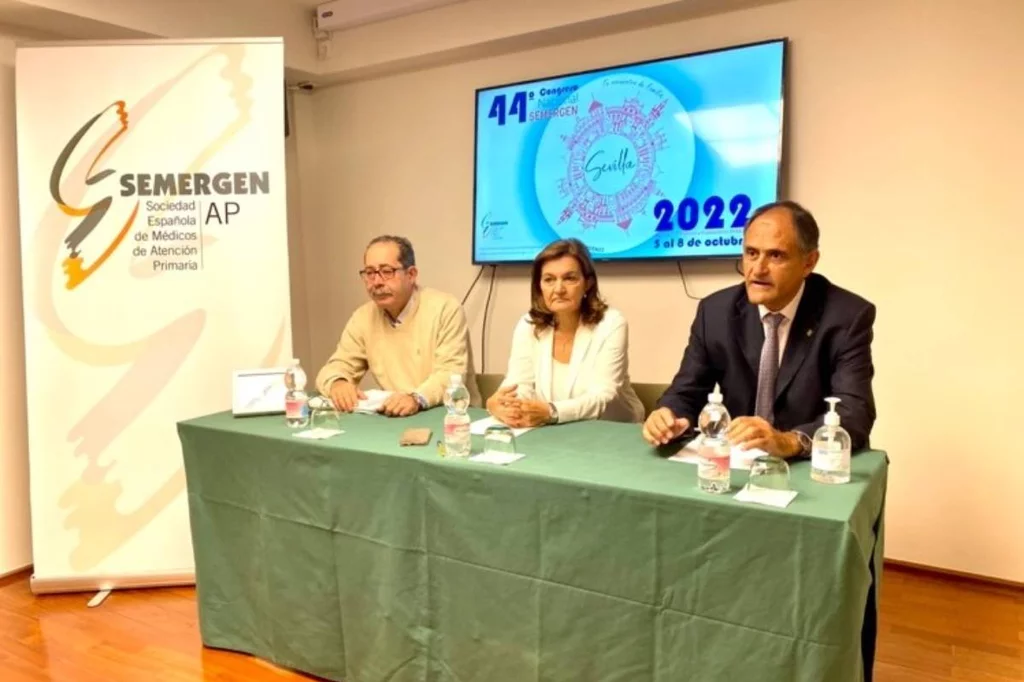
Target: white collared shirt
(788,313)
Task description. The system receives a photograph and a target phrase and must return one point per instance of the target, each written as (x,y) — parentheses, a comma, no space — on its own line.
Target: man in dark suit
(777,345)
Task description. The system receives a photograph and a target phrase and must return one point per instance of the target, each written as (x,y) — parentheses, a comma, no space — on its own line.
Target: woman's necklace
(564,341)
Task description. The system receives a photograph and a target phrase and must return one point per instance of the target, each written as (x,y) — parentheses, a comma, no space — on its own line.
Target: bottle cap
(456,379)
(715,396)
(832,417)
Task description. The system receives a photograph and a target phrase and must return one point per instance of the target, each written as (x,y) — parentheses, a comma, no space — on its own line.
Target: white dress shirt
(788,313)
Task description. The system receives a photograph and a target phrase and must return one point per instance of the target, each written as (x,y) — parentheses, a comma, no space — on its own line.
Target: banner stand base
(98,599)
(61,585)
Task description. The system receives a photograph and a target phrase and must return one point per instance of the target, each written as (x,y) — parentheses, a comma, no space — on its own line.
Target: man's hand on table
(748,433)
(400,405)
(663,426)
(345,395)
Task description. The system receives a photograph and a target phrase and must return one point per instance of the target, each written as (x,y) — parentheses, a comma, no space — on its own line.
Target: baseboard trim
(121,582)
(64,585)
(911,567)
(15,575)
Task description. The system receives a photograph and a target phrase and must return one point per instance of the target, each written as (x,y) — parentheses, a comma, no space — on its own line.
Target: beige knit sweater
(417,356)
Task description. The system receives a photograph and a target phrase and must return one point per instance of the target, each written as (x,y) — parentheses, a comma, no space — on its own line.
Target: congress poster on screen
(658,160)
(154,262)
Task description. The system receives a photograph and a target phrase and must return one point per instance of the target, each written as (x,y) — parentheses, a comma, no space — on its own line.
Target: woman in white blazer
(570,353)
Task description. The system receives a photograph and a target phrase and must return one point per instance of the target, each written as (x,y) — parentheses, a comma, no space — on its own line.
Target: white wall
(904,140)
(15,525)
(297,111)
(114,19)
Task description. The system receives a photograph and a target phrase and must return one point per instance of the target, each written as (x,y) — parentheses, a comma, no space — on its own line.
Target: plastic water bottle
(713,472)
(830,451)
(457,441)
(296,402)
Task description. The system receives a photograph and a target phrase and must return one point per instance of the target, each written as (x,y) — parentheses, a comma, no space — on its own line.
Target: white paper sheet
(765,496)
(499,458)
(318,433)
(373,402)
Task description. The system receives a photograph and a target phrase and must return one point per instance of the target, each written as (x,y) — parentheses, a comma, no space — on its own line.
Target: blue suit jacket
(828,353)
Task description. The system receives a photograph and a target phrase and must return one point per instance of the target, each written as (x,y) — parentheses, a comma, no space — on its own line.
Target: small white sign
(258,392)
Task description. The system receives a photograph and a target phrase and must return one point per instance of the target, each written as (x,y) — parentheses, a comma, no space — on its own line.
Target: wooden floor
(932,629)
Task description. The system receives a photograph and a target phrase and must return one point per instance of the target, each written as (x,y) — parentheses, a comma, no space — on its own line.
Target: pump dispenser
(830,452)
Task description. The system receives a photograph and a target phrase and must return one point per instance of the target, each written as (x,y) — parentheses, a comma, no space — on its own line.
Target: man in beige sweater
(411,339)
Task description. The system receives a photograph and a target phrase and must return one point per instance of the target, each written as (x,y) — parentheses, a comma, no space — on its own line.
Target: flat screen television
(661,159)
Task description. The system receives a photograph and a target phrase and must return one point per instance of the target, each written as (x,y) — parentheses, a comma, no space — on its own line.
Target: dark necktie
(768,371)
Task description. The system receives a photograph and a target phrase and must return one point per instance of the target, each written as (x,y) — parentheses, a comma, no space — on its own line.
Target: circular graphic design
(599,173)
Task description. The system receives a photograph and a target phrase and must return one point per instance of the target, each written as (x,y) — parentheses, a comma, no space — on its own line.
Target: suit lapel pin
(810,332)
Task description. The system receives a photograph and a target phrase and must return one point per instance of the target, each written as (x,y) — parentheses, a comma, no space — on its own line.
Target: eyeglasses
(386,273)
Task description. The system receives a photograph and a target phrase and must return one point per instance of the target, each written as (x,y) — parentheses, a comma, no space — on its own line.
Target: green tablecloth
(593,558)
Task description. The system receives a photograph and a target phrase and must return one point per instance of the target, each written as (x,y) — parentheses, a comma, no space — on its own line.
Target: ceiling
(378,38)
(367,6)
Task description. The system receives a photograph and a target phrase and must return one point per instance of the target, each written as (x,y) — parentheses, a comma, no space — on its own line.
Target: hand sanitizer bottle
(830,453)
(713,472)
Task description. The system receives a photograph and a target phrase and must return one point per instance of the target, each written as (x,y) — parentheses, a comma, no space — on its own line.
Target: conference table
(594,557)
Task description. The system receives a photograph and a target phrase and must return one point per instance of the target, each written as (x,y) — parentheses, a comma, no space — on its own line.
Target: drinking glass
(323,415)
(499,440)
(769,472)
